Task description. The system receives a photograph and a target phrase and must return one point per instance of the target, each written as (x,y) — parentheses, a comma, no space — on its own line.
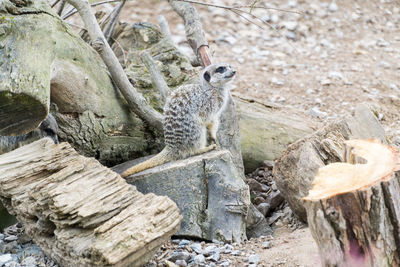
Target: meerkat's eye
(220,70)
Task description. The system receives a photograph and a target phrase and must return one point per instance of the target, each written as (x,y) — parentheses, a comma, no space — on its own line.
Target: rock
(268,164)
(258,224)
(11,247)
(11,238)
(179,255)
(30,262)
(256,186)
(315,112)
(264,208)
(291,35)
(198,259)
(1,236)
(295,170)
(235,253)
(197,248)
(258,200)
(267,129)
(254,258)
(5,258)
(274,199)
(227,249)
(215,256)
(184,242)
(208,190)
(266,245)
(181,263)
(209,250)
(333,7)
(224,263)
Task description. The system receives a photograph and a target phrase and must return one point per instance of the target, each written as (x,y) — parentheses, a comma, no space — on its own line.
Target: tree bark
(136,101)
(296,168)
(78,211)
(353,210)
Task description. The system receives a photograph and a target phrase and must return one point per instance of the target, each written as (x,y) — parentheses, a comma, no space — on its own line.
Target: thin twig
(74,11)
(240,6)
(109,28)
(240,13)
(124,52)
(155,74)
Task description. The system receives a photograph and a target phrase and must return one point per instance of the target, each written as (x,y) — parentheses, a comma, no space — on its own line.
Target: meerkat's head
(217,75)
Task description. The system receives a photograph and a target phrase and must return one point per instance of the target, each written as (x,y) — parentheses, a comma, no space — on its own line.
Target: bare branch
(74,11)
(156,76)
(194,30)
(135,100)
(54,3)
(109,28)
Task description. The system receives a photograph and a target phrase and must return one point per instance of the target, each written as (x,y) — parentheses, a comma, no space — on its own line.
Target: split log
(295,170)
(353,210)
(207,188)
(80,212)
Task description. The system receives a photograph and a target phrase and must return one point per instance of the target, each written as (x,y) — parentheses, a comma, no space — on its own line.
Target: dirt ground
(323,61)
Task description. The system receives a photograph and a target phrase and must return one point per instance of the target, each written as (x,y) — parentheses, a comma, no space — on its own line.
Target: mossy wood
(353,210)
(79,212)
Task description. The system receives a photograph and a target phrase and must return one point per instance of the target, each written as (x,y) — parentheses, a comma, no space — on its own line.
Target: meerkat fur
(189,112)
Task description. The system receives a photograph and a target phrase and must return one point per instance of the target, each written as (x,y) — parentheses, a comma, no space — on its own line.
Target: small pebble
(254,258)
(184,242)
(266,245)
(196,248)
(198,259)
(181,263)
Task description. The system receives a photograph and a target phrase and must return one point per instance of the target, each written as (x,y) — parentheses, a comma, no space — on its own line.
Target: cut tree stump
(79,212)
(353,210)
(295,170)
(208,189)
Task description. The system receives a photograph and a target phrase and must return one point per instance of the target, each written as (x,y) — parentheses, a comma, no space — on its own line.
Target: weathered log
(266,129)
(295,170)
(353,210)
(78,211)
(207,188)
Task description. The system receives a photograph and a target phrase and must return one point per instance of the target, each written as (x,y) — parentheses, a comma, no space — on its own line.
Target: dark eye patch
(207,76)
(220,70)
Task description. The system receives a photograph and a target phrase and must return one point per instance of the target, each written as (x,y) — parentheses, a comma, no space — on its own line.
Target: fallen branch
(109,28)
(135,100)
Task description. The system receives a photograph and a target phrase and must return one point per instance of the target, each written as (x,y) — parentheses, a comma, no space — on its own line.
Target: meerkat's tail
(163,157)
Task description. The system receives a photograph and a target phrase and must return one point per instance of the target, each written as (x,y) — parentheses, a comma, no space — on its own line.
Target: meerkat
(188,112)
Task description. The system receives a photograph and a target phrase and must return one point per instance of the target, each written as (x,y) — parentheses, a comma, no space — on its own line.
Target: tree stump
(79,212)
(353,210)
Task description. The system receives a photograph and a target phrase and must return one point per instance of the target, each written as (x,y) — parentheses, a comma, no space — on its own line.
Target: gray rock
(315,112)
(208,190)
(254,258)
(5,258)
(1,236)
(274,199)
(264,208)
(184,242)
(266,245)
(209,250)
(333,7)
(227,249)
(224,263)
(11,238)
(181,263)
(179,255)
(29,262)
(235,252)
(258,224)
(291,35)
(198,259)
(12,264)
(215,256)
(197,248)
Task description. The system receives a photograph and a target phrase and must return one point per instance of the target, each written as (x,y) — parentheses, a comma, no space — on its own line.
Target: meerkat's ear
(207,76)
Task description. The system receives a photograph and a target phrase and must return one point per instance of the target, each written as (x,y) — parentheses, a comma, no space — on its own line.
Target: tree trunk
(296,168)
(353,210)
(78,211)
